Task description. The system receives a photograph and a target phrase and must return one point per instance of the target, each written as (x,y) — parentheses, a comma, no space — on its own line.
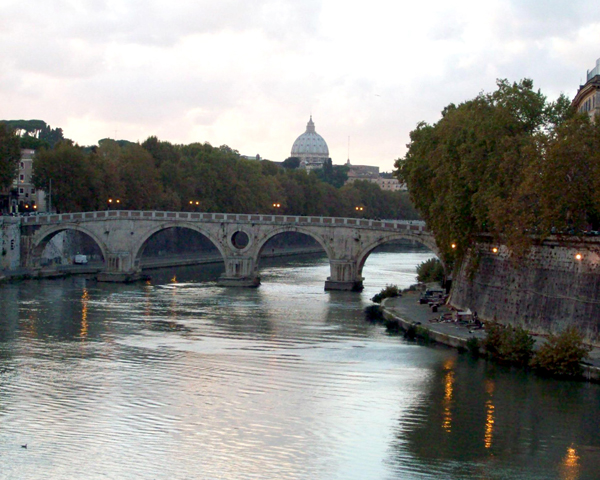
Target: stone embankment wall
(10,243)
(548,290)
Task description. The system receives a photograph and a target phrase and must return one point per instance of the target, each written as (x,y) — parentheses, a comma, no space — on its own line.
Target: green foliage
(199,177)
(335,175)
(374,313)
(291,163)
(473,346)
(387,292)
(561,355)
(36,133)
(10,153)
(502,163)
(508,345)
(430,270)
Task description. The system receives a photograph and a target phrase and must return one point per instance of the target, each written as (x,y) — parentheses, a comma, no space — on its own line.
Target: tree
(467,173)
(291,163)
(72,177)
(10,153)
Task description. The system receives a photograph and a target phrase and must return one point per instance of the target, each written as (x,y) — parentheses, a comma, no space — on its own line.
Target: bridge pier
(344,276)
(239,272)
(119,269)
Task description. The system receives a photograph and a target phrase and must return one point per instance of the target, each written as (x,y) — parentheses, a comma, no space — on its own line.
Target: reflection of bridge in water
(121,236)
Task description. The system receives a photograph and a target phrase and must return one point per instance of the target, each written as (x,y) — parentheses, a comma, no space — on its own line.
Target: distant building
(27,198)
(587,98)
(310,148)
(390,184)
(361,172)
(256,157)
(371,174)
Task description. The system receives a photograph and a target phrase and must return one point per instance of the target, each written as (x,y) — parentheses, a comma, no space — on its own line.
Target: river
(177,378)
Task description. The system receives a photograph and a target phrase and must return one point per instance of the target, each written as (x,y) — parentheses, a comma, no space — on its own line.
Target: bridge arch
(142,241)
(290,229)
(45,235)
(367,249)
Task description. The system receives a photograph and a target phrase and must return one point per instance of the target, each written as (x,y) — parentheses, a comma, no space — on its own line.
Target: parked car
(80,259)
(431,295)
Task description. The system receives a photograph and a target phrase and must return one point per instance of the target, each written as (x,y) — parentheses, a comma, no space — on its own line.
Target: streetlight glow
(578,256)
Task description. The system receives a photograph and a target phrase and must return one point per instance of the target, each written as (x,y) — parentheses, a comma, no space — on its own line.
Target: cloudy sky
(248,73)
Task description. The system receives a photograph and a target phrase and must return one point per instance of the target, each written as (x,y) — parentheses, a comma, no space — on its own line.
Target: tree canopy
(35,134)
(199,177)
(509,163)
(10,153)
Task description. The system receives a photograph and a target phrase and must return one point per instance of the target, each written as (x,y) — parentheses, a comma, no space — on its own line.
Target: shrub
(509,345)
(411,332)
(473,346)
(388,291)
(561,355)
(431,270)
(373,313)
(392,327)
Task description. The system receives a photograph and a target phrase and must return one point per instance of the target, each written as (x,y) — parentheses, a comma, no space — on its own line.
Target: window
(20,190)
(21,177)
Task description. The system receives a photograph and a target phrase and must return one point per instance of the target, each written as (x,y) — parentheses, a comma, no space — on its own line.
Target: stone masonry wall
(544,292)
(10,243)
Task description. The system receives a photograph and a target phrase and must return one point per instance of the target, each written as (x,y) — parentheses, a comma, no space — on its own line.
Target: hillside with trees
(508,163)
(158,175)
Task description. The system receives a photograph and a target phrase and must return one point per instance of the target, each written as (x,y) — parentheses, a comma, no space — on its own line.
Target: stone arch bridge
(122,235)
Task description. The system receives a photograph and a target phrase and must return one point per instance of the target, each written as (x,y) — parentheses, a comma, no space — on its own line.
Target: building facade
(587,99)
(27,198)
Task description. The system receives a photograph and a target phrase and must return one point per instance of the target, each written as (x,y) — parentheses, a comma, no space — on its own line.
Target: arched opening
(393,261)
(182,253)
(291,249)
(69,249)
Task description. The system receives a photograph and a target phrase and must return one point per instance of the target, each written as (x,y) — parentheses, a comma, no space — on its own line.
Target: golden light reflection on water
(85,298)
(489,415)
(570,467)
(448,395)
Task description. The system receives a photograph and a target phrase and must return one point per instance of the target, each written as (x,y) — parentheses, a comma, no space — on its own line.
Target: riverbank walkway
(407,311)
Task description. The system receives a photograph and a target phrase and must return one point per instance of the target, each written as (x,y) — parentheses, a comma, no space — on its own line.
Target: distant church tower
(310,148)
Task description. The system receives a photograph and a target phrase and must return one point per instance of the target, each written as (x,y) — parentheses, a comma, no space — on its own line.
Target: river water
(177,378)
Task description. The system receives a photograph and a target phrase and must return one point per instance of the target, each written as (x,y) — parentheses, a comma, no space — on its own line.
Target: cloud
(249,74)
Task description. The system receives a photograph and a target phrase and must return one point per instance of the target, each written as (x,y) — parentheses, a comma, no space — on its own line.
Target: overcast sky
(249,73)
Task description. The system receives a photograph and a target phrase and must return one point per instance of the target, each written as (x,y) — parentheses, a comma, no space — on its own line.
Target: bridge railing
(46,219)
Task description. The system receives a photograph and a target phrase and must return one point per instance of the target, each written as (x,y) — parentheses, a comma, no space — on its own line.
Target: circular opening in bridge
(240,240)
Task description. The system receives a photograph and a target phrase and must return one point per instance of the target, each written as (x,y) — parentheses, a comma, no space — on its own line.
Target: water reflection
(523,418)
(489,418)
(448,390)
(85,297)
(570,465)
(282,382)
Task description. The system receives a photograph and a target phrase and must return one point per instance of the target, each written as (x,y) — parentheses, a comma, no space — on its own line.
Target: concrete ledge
(439,337)
(590,373)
